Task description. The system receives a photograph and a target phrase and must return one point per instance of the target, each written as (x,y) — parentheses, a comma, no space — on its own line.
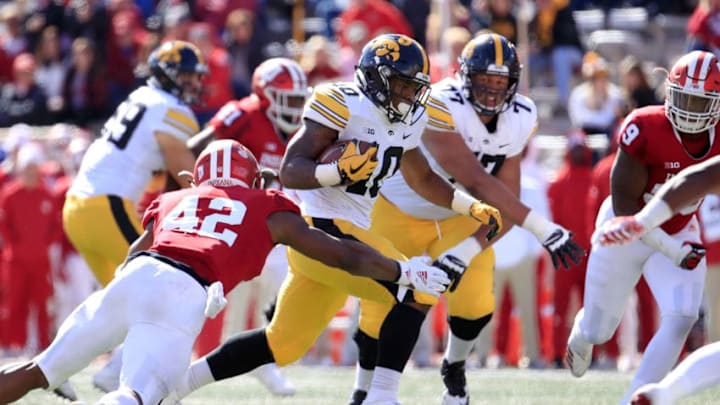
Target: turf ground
(332,385)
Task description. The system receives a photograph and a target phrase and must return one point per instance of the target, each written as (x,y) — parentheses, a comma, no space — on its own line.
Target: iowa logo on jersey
(389,48)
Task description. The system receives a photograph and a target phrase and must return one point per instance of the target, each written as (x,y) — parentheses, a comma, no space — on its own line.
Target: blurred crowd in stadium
(66,65)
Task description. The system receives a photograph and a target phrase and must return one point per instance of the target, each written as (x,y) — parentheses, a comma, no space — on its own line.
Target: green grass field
(332,385)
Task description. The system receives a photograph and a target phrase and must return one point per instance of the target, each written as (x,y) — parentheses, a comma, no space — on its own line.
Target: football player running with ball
(196,242)
(477,129)
(385,106)
(656,143)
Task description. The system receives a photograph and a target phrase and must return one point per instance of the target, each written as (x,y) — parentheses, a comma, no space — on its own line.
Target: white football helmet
(692,99)
(282,87)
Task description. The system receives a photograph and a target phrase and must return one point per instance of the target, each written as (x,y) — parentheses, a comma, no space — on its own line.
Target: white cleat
(578,356)
(383,402)
(107,379)
(271,377)
(449,399)
(66,391)
(649,394)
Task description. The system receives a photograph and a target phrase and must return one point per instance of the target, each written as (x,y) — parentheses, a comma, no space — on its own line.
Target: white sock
(385,385)
(662,352)
(458,349)
(696,373)
(198,375)
(363,378)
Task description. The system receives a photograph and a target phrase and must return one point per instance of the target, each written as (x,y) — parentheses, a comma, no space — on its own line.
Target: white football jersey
(344,108)
(121,162)
(448,111)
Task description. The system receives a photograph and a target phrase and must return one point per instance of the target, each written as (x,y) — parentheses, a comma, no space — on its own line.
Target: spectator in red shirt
(566,195)
(366,19)
(27,228)
(704,27)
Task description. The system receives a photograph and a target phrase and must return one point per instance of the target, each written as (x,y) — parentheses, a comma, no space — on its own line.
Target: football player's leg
(91,329)
(470,309)
(679,295)
(612,273)
(101,228)
(696,373)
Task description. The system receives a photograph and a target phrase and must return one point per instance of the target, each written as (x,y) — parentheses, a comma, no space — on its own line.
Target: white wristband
(327,174)
(462,202)
(465,250)
(654,214)
(662,242)
(538,225)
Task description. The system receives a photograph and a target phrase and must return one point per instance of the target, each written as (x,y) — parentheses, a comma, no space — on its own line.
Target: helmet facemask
(385,81)
(286,108)
(691,112)
(503,98)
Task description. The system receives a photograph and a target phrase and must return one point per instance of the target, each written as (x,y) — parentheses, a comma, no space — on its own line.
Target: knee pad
(123,396)
(468,329)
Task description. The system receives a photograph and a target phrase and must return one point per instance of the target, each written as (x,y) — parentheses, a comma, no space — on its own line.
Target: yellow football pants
(101,228)
(412,236)
(313,293)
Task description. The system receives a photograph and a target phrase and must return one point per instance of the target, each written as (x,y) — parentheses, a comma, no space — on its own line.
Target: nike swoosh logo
(503,145)
(406,136)
(354,170)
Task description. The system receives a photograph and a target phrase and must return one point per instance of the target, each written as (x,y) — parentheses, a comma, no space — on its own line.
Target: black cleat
(357,398)
(453,376)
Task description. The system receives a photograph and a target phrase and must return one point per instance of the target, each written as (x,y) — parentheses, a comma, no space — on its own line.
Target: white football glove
(418,274)
(215,300)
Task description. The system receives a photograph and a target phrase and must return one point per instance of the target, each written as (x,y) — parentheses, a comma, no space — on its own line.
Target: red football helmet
(227,163)
(692,98)
(281,85)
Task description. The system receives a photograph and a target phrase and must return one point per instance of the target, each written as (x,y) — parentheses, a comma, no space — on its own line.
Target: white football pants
(156,309)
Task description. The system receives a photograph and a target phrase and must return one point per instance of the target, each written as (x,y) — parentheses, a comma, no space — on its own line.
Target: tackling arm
(354,257)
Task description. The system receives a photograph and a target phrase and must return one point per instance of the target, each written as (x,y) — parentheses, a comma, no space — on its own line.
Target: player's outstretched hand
(418,273)
(487,215)
(618,231)
(562,248)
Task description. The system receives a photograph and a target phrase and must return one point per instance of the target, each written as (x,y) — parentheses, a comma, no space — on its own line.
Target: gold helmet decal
(387,48)
(169,52)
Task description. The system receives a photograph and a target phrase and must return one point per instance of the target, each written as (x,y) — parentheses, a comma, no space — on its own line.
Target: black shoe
(357,398)
(453,376)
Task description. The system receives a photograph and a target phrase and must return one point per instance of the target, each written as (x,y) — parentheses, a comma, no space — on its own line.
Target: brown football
(333,152)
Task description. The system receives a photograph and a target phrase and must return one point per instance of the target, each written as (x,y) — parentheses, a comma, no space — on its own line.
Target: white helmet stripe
(704,69)
(213,165)
(227,153)
(298,77)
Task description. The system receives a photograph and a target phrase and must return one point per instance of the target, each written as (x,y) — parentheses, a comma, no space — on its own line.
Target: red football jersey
(648,136)
(244,121)
(220,232)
